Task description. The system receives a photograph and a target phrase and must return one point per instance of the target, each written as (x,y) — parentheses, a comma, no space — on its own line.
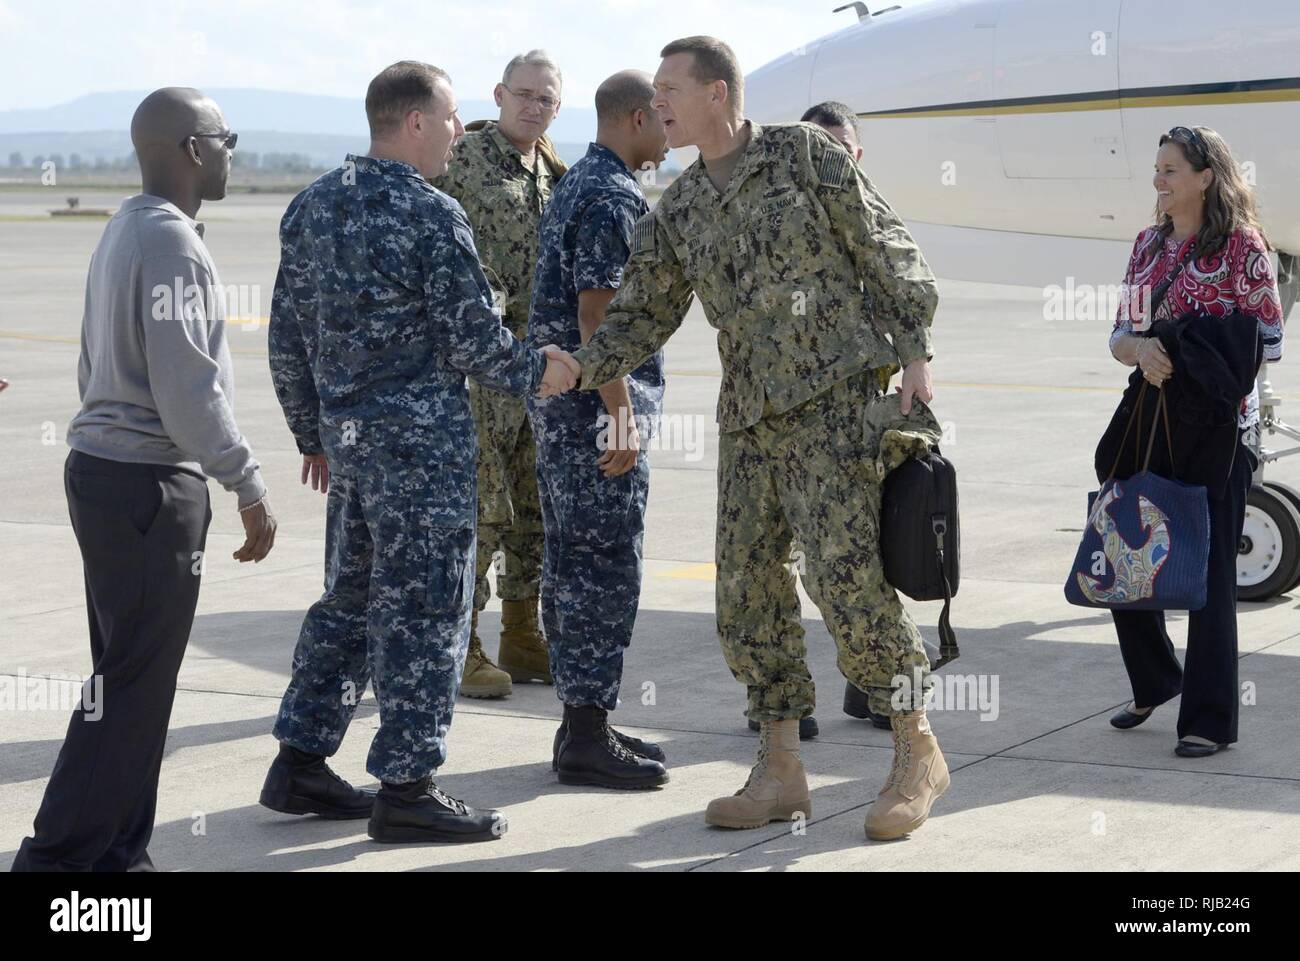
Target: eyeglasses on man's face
(546,104)
(228,140)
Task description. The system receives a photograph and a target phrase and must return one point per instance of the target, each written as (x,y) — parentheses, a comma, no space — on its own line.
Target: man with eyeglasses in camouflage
(502,173)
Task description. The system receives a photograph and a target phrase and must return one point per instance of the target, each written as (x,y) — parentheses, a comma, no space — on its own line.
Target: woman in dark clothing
(1205,222)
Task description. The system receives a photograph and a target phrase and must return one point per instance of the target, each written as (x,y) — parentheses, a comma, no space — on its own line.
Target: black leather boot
(634,744)
(857,704)
(419,812)
(302,783)
(592,754)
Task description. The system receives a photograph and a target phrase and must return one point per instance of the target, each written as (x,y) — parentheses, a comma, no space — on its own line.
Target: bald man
(592,475)
(156,421)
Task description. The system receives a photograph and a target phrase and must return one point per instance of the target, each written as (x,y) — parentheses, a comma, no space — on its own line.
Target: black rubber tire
(1293,495)
(1284,516)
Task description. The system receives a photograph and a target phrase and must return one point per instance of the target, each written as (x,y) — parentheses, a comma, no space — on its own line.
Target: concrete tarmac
(1040,780)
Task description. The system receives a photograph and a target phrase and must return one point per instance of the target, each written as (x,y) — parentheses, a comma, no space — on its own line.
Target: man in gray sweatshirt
(156,420)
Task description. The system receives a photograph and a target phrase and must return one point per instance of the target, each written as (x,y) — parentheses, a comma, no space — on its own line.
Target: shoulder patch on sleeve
(836,169)
(643,235)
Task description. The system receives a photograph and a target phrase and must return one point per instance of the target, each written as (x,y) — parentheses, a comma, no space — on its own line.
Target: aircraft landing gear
(1268,557)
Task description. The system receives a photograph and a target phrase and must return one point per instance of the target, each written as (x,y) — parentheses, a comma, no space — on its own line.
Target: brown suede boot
(917,779)
(523,652)
(777,789)
(482,678)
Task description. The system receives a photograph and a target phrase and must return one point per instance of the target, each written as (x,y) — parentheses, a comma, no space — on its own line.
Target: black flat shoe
(1126,719)
(808,728)
(1195,749)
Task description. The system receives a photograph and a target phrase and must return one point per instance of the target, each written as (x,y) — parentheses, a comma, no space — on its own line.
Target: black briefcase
(920,537)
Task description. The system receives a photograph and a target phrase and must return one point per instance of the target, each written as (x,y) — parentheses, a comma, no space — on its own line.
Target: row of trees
(245,160)
(287,162)
(73,162)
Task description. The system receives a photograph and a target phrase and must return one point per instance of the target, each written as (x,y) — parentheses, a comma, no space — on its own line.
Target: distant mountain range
(268,122)
(252,109)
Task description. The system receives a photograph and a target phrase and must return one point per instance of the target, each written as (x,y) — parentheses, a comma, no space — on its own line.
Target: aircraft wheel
(1268,555)
(1293,495)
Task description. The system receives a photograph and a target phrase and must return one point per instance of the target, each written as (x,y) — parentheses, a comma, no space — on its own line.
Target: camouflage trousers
(799,492)
(395,612)
(509,516)
(591,573)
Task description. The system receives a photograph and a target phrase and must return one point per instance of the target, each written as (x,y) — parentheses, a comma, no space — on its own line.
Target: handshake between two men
(562,373)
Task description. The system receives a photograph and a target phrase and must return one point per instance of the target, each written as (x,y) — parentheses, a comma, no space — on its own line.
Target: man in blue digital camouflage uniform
(380,311)
(592,477)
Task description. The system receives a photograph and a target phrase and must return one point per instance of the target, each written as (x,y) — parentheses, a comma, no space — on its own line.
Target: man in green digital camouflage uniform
(791,251)
(502,173)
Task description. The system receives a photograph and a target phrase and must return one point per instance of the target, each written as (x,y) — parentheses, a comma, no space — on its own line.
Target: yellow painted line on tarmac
(248,324)
(693,572)
(40,338)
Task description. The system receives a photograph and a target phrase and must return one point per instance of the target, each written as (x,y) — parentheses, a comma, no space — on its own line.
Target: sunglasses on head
(1188,136)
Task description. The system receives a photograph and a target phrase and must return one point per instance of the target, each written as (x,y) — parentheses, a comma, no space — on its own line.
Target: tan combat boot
(917,779)
(777,789)
(482,678)
(523,652)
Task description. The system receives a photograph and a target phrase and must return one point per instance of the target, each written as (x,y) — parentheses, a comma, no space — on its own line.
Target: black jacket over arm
(1215,362)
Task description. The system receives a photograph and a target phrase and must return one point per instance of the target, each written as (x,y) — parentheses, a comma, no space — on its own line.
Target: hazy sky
(52,52)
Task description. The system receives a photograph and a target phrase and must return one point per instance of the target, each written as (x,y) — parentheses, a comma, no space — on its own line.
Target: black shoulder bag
(920,538)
